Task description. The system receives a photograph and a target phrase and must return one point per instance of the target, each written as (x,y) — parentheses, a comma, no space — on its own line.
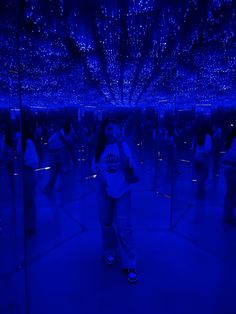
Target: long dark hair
(8,135)
(200,136)
(170,130)
(102,140)
(231,136)
(28,127)
(27,133)
(67,127)
(202,130)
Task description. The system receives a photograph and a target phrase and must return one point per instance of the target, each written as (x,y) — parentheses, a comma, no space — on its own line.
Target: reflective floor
(176,276)
(163,74)
(188,269)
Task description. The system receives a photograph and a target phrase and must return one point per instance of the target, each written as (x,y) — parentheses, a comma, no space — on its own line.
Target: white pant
(115,220)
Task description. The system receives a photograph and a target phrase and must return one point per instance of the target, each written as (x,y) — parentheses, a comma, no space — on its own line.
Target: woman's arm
(30,156)
(126,156)
(125,162)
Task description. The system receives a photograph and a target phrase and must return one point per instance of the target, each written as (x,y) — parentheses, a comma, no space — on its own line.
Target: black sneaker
(131,274)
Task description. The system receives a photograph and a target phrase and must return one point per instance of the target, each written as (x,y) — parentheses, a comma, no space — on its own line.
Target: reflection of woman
(6,150)
(59,155)
(203,147)
(230,177)
(217,138)
(111,163)
(30,163)
(170,142)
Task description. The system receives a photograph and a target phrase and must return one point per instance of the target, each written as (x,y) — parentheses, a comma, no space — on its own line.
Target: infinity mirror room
(117,157)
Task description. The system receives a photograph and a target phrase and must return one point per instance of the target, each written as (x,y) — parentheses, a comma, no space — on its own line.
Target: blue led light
(125,54)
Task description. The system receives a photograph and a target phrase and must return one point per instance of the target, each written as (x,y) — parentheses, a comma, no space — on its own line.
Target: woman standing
(203,147)
(114,167)
(171,149)
(230,177)
(30,163)
(59,151)
(6,151)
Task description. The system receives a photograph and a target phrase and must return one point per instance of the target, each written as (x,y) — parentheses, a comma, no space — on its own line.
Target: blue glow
(165,71)
(126,53)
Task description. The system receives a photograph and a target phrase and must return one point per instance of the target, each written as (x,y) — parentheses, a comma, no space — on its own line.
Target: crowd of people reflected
(118,129)
(149,142)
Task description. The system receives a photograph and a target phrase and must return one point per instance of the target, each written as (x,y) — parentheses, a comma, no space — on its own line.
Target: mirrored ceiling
(122,53)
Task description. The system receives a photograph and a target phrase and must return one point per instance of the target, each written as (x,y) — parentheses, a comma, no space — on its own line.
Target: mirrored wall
(13,266)
(153,69)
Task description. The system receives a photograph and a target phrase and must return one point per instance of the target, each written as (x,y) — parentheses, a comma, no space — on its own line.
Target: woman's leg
(198,169)
(202,169)
(125,231)
(216,162)
(106,218)
(55,163)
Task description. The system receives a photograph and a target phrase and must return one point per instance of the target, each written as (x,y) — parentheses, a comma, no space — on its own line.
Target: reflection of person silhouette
(30,163)
(6,152)
(171,149)
(203,147)
(217,142)
(59,157)
(230,177)
(112,159)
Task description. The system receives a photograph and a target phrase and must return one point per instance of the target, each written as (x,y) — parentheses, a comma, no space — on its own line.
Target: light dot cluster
(121,53)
